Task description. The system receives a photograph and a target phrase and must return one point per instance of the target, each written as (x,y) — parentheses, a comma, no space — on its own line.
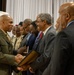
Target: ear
(3,22)
(44,22)
(67,16)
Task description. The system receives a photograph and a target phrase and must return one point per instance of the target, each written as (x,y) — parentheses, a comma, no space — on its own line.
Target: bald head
(4,16)
(67,8)
(6,22)
(66,15)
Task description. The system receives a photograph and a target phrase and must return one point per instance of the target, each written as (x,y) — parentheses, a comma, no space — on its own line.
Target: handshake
(18,59)
(25,62)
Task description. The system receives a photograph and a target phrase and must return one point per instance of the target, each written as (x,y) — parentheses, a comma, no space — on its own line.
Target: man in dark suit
(44,23)
(63,56)
(26,24)
(26,35)
(7,60)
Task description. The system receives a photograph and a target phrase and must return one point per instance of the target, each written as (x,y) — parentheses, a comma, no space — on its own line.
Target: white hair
(3,13)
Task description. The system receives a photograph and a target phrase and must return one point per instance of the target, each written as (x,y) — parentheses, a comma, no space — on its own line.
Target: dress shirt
(44,32)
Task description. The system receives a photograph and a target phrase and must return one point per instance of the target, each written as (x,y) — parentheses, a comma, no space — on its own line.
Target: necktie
(41,35)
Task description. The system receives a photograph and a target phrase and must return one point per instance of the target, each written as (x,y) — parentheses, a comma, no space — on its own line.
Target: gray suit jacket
(45,49)
(63,56)
(62,62)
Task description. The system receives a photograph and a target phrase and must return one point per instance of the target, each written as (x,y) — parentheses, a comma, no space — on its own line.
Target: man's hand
(22,49)
(18,58)
(31,70)
(23,68)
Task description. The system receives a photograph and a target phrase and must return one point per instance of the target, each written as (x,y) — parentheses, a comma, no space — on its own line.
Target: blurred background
(22,9)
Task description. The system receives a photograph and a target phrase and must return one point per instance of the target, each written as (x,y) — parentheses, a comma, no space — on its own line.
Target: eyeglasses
(38,21)
(26,26)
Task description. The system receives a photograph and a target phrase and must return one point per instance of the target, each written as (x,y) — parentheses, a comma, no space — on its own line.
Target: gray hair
(27,21)
(46,17)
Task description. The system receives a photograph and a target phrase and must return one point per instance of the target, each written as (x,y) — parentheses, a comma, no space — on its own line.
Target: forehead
(26,25)
(38,19)
(64,8)
(7,18)
(61,10)
(31,25)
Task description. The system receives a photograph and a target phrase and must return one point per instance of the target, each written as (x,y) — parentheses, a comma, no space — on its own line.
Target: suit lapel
(48,30)
(5,37)
(42,42)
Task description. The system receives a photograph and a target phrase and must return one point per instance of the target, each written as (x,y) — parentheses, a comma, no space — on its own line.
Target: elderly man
(45,45)
(63,56)
(7,60)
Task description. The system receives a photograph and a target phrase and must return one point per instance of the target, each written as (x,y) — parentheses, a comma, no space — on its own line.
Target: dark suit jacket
(47,70)
(44,49)
(6,57)
(37,40)
(63,56)
(31,41)
(25,40)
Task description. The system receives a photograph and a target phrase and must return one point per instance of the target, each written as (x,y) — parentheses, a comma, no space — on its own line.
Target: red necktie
(41,35)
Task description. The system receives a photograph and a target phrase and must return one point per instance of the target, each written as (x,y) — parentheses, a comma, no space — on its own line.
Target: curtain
(57,4)
(22,9)
(2,5)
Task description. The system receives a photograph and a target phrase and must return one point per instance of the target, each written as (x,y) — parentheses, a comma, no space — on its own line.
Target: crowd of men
(55,46)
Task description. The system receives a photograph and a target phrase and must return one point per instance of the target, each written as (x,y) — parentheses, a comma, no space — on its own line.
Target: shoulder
(51,30)
(61,37)
(62,34)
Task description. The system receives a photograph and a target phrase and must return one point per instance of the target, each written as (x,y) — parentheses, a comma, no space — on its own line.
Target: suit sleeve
(7,59)
(6,56)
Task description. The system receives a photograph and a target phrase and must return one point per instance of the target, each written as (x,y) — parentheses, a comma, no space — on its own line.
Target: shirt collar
(70,23)
(44,32)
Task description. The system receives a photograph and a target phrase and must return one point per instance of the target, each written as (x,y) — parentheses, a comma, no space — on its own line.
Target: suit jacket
(45,47)
(6,57)
(47,70)
(25,40)
(63,56)
(31,41)
(37,40)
